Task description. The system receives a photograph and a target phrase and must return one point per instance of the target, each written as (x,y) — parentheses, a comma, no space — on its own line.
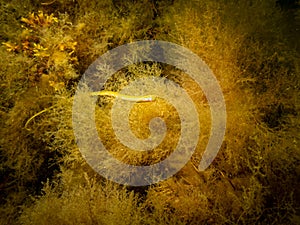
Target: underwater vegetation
(253,49)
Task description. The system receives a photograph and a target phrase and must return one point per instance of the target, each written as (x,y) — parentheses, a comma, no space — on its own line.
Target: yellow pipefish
(142,98)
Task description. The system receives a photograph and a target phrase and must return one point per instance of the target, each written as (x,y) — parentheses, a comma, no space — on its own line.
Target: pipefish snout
(142,98)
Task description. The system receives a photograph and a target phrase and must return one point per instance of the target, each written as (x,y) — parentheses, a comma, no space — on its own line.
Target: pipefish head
(148,98)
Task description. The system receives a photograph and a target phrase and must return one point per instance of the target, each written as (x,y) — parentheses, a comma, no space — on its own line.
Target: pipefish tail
(142,98)
(35,115)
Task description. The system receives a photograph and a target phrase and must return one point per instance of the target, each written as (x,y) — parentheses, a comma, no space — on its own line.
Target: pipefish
(141,98)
